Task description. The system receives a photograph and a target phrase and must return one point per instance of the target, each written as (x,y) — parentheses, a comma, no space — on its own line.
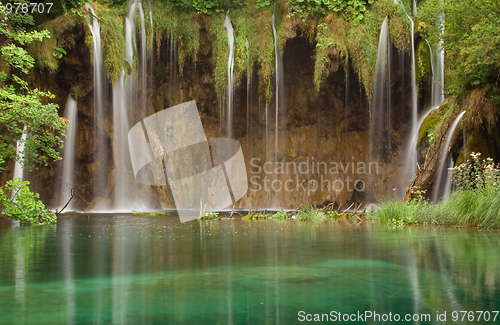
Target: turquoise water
(114,269)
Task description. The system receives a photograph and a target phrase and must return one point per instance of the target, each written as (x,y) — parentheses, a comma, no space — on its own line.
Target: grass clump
(210,216)
(400,213)
(331,48)
(308,213)
(474,203)
(149,214)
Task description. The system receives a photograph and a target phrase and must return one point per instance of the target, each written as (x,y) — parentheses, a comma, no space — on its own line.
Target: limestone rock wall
(327,132)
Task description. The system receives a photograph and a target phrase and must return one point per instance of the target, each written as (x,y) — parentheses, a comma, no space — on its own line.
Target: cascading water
(230,67)
(437,66)
(414,106)
(437,98)
(131,49)
(414,137)
(143,68)
(279,87)
(173,82)
(100,156)
(19,165)
(442,183)
(380,111)
(68,155)
(411,151)
(127,91)
(124,181)
(249,94)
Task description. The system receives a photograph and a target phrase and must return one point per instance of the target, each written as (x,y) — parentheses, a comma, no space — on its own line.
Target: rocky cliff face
(323,138)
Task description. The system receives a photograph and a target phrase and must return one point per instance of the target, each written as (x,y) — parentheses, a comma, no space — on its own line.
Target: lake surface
(121,269)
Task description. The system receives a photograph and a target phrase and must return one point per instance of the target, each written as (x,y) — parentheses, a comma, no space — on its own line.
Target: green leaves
(58,52)
(22,111)
(17,57)
(24,204)
(208,7)
(469,33)
(352,9)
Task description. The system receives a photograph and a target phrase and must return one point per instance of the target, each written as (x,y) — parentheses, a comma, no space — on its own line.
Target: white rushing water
(437,98)
(100,156)
(124,182)
(278,73)
(68,155)
(249,93)
(437,66)
(380,114)
(19,165)
(132,50)
(128,92)
(230,67)
(411,153)
(414,137)
(412,168)
(442,183)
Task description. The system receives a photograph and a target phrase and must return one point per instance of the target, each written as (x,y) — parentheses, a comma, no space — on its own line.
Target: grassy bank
(467,208)
(474,203)
(308,213)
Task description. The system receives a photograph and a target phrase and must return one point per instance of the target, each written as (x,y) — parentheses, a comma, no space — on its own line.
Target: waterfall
(230,66)
(100,157)
(437,66)
(128,92)
(249,93)
(442,183)
(124,181)
(68,155)
(414,137)
(143,67)
(278,88)
(411,151)
(19,165)
(131,48)
(173,84)
(414,108)
(380,112)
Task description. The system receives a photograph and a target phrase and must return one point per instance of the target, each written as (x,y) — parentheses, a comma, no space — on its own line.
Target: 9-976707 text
(28,8)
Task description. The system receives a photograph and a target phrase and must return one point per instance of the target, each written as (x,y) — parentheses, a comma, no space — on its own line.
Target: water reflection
(142,270)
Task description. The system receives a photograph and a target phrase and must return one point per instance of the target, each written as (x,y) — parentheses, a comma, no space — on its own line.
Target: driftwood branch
(75,193)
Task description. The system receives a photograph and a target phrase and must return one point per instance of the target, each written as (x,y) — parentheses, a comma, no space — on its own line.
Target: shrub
(24,204)
(476,174)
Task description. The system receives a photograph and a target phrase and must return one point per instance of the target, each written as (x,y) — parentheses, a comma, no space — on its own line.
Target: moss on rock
(429,127)
(475,142)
